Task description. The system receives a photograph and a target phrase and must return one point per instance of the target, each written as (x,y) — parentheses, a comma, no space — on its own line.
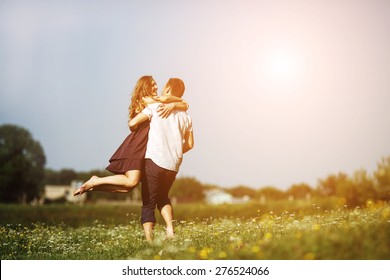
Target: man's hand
(164,110)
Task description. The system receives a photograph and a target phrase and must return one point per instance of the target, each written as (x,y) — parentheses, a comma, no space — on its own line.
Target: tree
(22,161)
(332,184)
(358,189)
(363,188)
(187,189)
(63,177)
(300,191)
(382,176)
(271,193)
(241,191)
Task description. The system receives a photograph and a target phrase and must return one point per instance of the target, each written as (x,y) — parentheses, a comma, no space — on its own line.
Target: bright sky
(280,92)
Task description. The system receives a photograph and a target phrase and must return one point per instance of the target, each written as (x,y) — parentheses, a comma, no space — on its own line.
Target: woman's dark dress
(131,153)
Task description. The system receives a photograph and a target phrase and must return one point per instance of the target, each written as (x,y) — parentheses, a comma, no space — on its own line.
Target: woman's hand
(164,110)
(132,126)
(138,119)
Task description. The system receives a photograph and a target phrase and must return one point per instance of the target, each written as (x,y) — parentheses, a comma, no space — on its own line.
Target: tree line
(353,190)
(23,176)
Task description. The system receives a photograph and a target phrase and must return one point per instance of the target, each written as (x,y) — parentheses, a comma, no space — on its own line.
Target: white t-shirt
(165,143)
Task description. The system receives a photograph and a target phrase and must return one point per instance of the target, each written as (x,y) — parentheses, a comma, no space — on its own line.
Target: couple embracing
(161,132)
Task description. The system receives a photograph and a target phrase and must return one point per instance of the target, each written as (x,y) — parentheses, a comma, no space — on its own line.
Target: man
(169,139)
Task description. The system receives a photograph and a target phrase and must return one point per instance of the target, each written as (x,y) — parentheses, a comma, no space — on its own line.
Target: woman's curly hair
(143,88)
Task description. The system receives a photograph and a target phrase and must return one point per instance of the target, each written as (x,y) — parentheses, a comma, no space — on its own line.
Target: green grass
(298,230)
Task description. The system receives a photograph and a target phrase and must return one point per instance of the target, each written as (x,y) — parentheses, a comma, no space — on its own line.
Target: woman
(128,159)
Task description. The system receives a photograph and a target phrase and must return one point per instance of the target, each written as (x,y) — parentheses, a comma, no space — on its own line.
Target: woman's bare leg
(114,183)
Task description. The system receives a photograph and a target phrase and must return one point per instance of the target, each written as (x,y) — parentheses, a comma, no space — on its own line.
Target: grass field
(282,231)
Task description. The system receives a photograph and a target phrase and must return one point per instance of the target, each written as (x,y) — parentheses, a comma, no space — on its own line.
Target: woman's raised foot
(87,186)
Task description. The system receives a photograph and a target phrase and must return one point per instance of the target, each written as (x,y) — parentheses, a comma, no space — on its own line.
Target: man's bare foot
(170,234)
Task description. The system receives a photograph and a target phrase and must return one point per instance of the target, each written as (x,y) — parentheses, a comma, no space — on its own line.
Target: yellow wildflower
(255,249)
(309,256)
(316,227)
(222,255)
(267,236)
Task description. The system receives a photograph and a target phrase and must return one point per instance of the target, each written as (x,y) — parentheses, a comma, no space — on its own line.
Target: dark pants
(156,183)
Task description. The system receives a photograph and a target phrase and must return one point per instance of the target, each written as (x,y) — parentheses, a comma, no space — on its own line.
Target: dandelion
(309,256)
(316,227)
(255,249)
(386,213)
(369,204)
(222,255)
(191,249)
(267,236)
(204,253)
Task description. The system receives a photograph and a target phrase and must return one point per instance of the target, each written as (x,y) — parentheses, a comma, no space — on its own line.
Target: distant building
(218,196)
(62,193)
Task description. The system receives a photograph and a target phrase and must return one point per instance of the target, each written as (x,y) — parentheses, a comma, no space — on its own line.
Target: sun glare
(279,70)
